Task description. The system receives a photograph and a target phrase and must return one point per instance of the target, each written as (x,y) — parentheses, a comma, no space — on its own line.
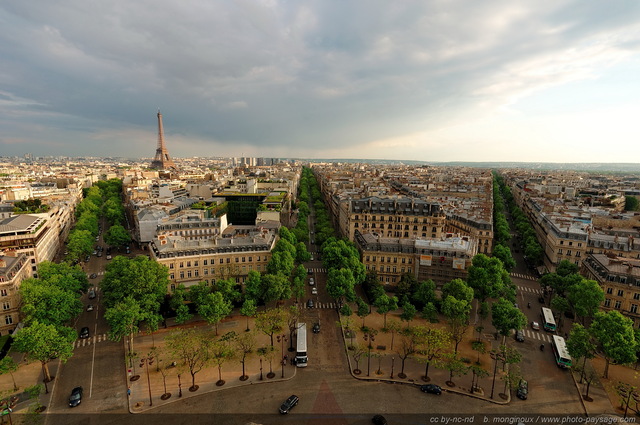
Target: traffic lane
(551,389)
(75,372)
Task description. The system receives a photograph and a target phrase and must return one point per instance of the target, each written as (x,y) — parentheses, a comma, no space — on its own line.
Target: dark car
(84,332)
(520,336)
(289,404)
(90,307)
(310,303)
(541,299)
(523,390)
(76,397)
(92,294)
(316,328)
(379,420)
(431,389)
(93,276)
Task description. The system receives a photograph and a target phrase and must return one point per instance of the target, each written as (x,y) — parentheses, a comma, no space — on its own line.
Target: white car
(314,291)
(311,281)
(535,326)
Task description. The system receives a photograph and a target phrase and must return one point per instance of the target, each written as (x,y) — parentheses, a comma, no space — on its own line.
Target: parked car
(310,303)
(76,397)
(314,291)
(95,252)
(289,404)
(92,294)
(431,389)
(541,299)
(311,258)
(99,254)
(535,326)
(109,257)
(309,271)
(90,307)
(316,328)
(379,420)
(87,258)
(523,390)
(84,332)
(93,276)
(312,281)
(519,336)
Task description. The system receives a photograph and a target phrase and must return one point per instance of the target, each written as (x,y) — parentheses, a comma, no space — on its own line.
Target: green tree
(140,278)
(363,309)
(614,336)
(503,253)
(631,203)
(432,343)
(124,320)
(457,313)
(425,293)
(489,279)
(249,309)
(505,317)
(278,287)
(43,342)
(79,244)
(8,365)
(341,285)
(270,322)
(408,312)
(244,344)
(117,235)
(220,353)
(585,298)
(458,289)
(192,349)
(580,345)
(213,308)
(385,304)
(45,303)
(253,286)
(63,276)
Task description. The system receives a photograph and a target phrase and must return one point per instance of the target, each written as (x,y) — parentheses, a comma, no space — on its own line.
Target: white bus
(563,359)
(548,322)
(301,352)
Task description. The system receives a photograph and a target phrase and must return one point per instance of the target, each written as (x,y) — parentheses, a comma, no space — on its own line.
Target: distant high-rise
(162,160)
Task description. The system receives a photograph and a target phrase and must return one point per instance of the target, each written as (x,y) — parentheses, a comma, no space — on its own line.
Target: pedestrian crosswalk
(523,276)
(318,270)
(89,341)
(324,305)
(536,335)
(536,291)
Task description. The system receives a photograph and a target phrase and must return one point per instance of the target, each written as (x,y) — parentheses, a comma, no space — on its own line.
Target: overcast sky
(433,80)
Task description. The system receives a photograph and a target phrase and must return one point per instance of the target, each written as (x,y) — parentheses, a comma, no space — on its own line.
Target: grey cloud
(278,74)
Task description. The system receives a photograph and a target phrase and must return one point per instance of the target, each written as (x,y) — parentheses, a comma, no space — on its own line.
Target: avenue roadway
(328,393)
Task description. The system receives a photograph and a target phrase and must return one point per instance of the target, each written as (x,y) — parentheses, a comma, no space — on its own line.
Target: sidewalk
(207,380)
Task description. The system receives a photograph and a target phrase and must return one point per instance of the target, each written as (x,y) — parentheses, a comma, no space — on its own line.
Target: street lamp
(370,336)
(393,359)
(282,339)
(146,361)
(179,387)
(496,355)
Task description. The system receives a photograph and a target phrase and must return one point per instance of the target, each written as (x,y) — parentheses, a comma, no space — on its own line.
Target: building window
(205,262)
(617,305)
(171,266)
(636,296)
(181,275)
(188,263)
(4,292)
(634,308)
(6,305)
(172,276)
(609,291)
(620,292)
(181,264)
(196,273)
(173,287)
(8,320)
(607,302)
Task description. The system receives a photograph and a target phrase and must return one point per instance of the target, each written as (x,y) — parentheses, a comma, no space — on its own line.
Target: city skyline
(469,81)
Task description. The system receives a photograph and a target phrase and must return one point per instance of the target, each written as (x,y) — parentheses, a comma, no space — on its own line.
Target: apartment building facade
(14,269)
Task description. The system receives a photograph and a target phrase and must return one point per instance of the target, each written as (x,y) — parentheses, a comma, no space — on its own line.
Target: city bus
(548,322)
(301,351)
(563,359)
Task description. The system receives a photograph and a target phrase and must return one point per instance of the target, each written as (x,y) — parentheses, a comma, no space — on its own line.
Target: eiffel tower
(162,160)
